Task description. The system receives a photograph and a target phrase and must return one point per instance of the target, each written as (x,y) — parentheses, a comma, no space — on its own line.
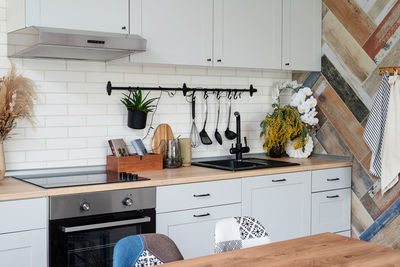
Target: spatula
(217,135)
(205,139)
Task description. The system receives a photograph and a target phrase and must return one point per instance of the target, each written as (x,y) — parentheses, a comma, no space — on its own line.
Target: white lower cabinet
(23,233)
(193,230)
(331,211)
(280,202)
(24,249)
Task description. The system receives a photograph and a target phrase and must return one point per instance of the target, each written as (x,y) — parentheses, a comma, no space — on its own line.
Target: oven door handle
(79,228)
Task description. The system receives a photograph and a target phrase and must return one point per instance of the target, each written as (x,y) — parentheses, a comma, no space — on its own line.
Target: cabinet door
(92,15)
(331,211)
(282,203)
(247,33)
(24,249)
(177,31)
(193,230)
(301,35)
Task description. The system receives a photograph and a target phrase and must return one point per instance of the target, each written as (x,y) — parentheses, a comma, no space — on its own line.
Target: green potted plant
(138,107)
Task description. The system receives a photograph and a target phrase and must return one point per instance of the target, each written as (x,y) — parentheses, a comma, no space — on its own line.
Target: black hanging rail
(184,89)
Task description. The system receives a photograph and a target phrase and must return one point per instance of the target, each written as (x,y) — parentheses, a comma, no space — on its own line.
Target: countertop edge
(33,191)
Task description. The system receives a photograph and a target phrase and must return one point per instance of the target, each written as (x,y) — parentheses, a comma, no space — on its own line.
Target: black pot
(137,119)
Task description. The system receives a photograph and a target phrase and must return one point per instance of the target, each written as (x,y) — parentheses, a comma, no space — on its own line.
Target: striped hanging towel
(391,144)
(375,129)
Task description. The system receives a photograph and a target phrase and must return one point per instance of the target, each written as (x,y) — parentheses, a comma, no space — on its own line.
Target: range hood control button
(85,206)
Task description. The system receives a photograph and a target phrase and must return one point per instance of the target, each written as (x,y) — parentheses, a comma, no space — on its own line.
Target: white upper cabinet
(301,35)
(247,33)
(177,31)
(91,15)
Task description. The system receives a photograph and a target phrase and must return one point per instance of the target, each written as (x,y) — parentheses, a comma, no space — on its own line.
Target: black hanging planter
(137,119)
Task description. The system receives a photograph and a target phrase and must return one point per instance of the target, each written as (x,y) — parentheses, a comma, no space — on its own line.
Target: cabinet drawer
(20,215)
(331,211)
(27,249)
(193,230)
(197,195)
(331,179)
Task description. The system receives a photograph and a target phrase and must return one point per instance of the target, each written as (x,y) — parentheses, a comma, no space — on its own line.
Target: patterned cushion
(145,250)
(239,232)
(147,259)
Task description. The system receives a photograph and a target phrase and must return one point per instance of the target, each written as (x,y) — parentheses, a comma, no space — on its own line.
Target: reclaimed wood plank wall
(359,36)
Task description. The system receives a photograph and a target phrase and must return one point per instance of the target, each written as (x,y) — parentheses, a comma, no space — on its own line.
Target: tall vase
(2,162)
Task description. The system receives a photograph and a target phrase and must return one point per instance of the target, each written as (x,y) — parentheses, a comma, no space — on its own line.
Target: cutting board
(163,132)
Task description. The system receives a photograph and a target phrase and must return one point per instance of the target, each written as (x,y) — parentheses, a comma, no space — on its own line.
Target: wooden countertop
(11,188)
(318,250)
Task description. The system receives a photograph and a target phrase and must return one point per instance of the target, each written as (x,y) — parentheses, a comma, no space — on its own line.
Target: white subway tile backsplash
(50,110)
(65,121)
(43,133)
(87,109)
(66,143)
(76,117)
(64,76)
(23,145)
(79,65)
(66,99)
(46,155)
(104,77)
(87,131)
(44,64)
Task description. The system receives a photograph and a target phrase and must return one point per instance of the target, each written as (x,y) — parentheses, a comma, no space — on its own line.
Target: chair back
(145,250)
(239,232)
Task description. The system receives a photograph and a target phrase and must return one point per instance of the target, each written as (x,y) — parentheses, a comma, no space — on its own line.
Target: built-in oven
(84,228)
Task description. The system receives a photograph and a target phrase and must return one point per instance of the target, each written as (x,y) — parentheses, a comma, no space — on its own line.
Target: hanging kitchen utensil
(217,134)
(162,134)
(205,139)
(228,133)
(194,133)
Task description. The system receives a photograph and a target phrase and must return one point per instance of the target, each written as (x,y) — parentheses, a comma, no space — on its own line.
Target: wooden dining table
(317,250)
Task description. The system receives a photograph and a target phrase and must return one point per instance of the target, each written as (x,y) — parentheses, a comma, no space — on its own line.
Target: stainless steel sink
(245,164)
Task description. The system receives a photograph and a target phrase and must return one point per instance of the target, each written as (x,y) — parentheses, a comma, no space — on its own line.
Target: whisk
(194,133)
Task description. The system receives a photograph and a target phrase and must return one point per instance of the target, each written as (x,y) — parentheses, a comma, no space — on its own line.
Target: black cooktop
(80,179)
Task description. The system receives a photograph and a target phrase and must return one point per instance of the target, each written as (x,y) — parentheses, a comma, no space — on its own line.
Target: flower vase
(2,162)
(276,151)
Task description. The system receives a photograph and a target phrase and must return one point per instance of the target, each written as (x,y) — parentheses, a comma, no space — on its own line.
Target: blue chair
(145,250)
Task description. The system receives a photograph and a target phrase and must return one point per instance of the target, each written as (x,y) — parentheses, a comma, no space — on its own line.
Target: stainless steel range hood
(42,42)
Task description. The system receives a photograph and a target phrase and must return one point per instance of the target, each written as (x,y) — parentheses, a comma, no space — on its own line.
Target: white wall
(76,117)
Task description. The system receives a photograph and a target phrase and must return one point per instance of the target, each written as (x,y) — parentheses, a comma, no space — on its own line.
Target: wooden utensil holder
(135,163)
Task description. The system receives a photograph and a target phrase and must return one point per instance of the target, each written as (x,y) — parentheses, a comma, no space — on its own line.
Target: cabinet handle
(332,179)
(219,60)
(335,196)
(208,59)
(279,180)
(201,215)
(287,64)
(123,27)
(201,195)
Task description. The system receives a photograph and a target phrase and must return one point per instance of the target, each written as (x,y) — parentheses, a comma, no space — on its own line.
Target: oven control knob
(85,206)
(128,201)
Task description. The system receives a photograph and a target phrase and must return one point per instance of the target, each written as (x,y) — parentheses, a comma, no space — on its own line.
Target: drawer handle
(335,196)
(201,215)
(332,179)
(201,195)
(279,180)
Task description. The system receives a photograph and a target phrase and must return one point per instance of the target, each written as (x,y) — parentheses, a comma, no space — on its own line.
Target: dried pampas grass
(17,95)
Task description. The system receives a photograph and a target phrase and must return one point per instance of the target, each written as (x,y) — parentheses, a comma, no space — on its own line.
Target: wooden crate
(134,163)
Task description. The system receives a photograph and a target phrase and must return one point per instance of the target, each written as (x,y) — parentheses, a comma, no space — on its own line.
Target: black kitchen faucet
(238,150)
